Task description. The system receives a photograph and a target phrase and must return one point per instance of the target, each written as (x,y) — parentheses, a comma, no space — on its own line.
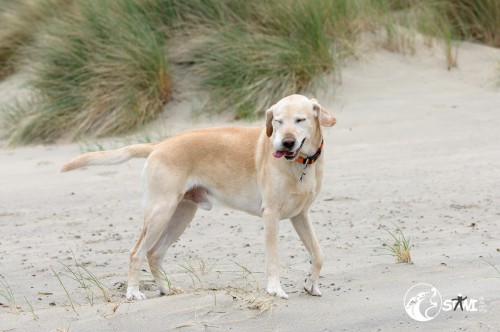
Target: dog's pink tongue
(279,154)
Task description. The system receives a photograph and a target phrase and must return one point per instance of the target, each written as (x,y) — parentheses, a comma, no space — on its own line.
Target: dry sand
(415,145)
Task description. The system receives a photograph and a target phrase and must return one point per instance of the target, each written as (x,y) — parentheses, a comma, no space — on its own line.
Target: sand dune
(415,145)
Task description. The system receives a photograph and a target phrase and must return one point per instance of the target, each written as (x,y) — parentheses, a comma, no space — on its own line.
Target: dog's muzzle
(289,143)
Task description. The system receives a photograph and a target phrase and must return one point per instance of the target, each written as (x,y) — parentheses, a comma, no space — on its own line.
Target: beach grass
(101,68)
(398,246)
(19,23)
(7,294)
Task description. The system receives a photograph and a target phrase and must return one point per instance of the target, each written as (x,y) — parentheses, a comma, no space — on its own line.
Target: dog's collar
(312,159)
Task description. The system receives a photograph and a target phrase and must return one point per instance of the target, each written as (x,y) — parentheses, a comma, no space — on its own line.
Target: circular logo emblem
(423,302)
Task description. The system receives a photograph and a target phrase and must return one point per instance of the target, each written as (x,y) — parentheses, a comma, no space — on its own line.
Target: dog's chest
(301,196)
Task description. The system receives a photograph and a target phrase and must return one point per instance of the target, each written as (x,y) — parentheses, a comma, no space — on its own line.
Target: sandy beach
(415,146)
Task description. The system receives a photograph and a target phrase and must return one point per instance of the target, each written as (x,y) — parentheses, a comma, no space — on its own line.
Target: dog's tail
(109,157)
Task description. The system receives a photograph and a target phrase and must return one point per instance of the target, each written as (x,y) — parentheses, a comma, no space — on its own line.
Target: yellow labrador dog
(273,172)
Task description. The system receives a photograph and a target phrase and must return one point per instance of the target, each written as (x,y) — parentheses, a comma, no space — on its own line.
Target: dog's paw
(274,288)
(164,289)
(311,287)
(277,291)
(133,294)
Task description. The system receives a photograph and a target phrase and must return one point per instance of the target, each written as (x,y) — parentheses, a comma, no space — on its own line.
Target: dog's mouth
(289,155)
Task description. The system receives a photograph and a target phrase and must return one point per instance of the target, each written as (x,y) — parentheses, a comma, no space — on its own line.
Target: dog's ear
(269,121)
(324,117)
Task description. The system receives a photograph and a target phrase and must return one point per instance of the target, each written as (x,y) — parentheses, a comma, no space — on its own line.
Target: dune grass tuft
(431,19)
(254,69)
(19,22)
(497,269)
(453,21)
(399,247)
(475,19)
(246,65)
(6,293)
(98,70)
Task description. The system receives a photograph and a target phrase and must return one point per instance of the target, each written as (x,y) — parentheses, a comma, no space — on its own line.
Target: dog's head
(292,121)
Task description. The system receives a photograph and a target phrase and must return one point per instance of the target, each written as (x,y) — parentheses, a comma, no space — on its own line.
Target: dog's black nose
(288,142)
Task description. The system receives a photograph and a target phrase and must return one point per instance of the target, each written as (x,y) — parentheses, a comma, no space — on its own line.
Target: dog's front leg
(303,225)
(271,228)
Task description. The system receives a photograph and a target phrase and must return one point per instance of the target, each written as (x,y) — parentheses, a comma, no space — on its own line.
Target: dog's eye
(279,121)
(299,120)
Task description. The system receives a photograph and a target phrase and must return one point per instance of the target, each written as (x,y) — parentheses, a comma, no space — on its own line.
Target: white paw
(277,292)
(133,294)
(274,289)
(164,289)
(312,287)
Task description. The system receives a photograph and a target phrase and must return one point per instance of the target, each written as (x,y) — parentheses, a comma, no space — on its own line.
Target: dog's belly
(247,198)
(250,203)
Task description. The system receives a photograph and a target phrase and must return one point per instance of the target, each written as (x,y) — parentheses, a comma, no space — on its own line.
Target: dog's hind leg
(163,196)
(303,225)
(181,218)
(156,221)
(133,280)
